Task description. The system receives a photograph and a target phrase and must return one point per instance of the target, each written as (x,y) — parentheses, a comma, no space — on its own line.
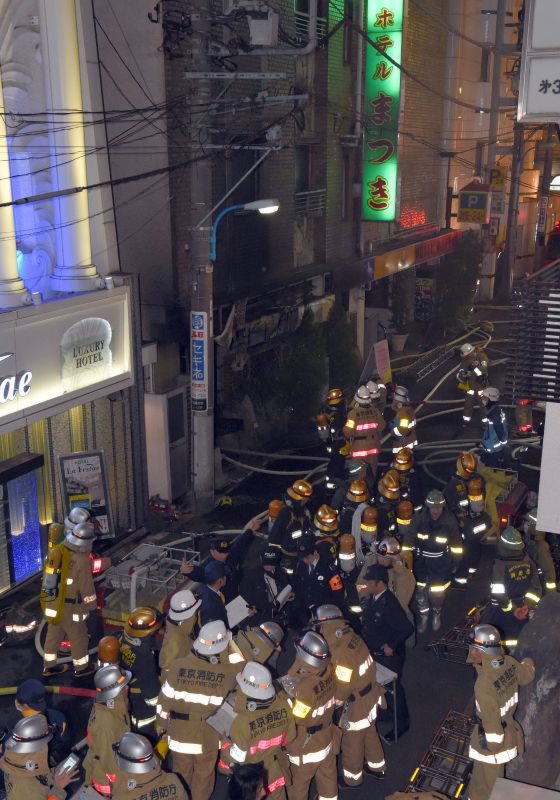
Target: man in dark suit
(385,629)
(213,605)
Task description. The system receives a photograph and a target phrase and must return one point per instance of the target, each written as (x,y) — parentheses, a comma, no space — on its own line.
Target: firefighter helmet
(135,755)
(369,519)
(358,491)
(272,632)
(486,638)
(30,735)
(388,547)
(274,508)
(55,534)
(313,649)
(213,638)
(435,499)
(326,613)
(466,349)
(405,511)
(466,464)
(401,394)
(373,389)
(183,605)
(109,682)
(326,519)
(76,516)
(334,397)
(255,681)
(323,420)
(531,516)
(354,467)
(510,542)
(362,397)
(403,460)
(390,485)
(300,490)
(143,621)
(81,535)
(475,489)
(108,650)
(492,394)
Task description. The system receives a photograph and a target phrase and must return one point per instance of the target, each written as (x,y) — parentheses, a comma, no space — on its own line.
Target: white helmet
(373,390)
(492,394)
(183,605)
(81,535)
(212,639)
(362,396)
(255,681)
(466,349)
(401,394)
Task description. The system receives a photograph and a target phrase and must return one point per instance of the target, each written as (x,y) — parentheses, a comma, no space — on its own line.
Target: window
(302,169)
(484,65)
(344,187)
(479,158)
(348,32)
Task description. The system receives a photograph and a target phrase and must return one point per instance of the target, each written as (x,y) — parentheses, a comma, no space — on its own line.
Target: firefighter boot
(436,619)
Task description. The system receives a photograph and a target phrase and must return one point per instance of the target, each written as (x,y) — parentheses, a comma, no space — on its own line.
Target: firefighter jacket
(456,495)
(538,549)
(506,621)
(22,783)
(327,545)
(236,554)
(437,546)
(356,682)
(497,738)
(67,581)
(258,733)
(337,415)
(475,527)
(403,428)
(363,431)
(387,516)
(316,585)
(475,369)
(515,578)
(313,702)
(154,785)
(495,435)
(177,641)
(194,687)
(253,646)
(137,655)
(411,488)
(291,524)
(107,723)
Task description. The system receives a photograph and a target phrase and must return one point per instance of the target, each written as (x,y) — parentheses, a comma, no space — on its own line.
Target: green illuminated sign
(382,94)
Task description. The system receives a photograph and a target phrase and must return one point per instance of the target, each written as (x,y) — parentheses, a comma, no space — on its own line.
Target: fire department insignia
(131,784)
(30,764)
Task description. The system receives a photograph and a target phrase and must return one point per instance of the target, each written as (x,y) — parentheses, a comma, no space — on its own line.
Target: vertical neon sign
(382,93)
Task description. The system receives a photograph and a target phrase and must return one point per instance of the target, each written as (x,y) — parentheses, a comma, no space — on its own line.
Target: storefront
(67,374)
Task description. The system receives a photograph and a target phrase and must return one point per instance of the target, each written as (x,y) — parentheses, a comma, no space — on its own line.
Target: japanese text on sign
(199,360)
(382,100)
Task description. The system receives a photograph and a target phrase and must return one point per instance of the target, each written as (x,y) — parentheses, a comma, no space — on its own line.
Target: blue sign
(199,361)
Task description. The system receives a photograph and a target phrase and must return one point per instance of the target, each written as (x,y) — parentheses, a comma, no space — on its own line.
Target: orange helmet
(274,508)
(300,490)
(466,464)
(334,397)
(475,489)
(405,511)
(326,519)
(403,460)
(143,621)
(389,485)
(369,519)
(358,491)
(108,650)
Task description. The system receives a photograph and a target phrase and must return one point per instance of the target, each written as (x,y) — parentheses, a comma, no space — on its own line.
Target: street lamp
(202,363)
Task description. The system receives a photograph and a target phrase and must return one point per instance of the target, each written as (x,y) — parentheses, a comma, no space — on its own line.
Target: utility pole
(201,278)
(510,248)
(544,196)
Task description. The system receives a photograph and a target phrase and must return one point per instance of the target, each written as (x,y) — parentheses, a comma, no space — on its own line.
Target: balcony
(302,26)
(311,203)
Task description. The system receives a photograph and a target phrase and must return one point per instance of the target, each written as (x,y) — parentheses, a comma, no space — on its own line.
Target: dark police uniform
(317,585)
(456,495)
(138,657)
(236,551)
(212,607)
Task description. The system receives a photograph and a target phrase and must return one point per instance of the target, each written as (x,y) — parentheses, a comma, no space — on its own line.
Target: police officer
(403,463)
(25,763)
(261,584)
(313,698)
(435,540)
(213,601)
(316,581)
(139,774)
(194,687)
(385,629)
(495,435)
(473,376)
(455,491)
(363,429)
(137,655)
(514,574)
(68,595)
(474,528)
(539,549)
(263,726)
(31,699)
(496,738)
(181,619)
(293,521)
(108,721)
(357,688)
(403,426)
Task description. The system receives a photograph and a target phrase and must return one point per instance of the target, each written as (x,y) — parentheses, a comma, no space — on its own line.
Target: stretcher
(454,644)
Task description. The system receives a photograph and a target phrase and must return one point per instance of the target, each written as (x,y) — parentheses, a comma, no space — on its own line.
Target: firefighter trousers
(357,747)
(483,778)
(198,772)
(325,776)
(472,398)
(72,626)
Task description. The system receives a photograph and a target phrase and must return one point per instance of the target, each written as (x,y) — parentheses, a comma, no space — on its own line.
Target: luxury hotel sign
(63,353)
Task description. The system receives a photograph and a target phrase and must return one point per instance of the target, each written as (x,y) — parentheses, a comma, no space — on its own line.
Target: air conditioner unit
(263,28)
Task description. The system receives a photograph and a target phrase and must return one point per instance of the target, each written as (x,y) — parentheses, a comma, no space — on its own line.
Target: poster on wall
(83,483)
(423,299)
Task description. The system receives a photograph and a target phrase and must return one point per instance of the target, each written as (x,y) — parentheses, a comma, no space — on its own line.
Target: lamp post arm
(215,224)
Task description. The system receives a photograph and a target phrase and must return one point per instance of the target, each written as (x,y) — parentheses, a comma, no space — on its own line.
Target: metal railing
(302,26)
(311,203)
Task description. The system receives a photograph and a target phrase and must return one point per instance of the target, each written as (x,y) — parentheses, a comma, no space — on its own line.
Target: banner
(199,360)
(383,361)
(83,483)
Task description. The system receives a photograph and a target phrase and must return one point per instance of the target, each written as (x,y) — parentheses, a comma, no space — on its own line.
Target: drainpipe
(310,47)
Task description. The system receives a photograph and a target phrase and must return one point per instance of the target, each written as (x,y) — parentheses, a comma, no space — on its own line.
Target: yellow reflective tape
(343,673)
(414,774)
(349,423)
(459,790)
(300,709)
(368,527)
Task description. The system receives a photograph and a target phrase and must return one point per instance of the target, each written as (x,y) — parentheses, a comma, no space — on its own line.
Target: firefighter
(263,726)
(68,595)
(495,436)
(25,763)
(108,651)
(316,581)
(139,774)
(539,550)
(496,738)
(455,491)
(357,688)
(108,721)
(363,430)
(389,495)
(474,528)
(405,515)
(403,463)
(355,501)
(262,583)
(194,687)
(401,579)
(260,643)
(313,697)
(514,575)
(274,508)
(354,470)
(403,425)
(435,541)
(293,522)
(326,532)
(137,655)
(509,620)
(181,619)
(337,411)
(472,377)
(377,393)
(323,429)
(366,536)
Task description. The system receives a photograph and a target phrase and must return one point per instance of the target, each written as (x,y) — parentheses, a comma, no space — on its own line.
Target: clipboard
(237,610)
